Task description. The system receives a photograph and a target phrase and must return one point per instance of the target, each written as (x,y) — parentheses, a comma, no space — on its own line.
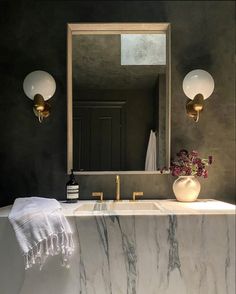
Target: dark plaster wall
(33,36)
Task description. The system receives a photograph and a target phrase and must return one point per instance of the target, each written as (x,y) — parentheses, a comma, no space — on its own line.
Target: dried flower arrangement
(190,164)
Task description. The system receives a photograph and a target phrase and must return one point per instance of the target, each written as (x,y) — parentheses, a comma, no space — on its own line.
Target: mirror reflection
(119,101)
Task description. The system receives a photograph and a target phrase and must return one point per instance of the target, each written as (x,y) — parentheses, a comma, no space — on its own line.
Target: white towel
(151,157)
(41,230)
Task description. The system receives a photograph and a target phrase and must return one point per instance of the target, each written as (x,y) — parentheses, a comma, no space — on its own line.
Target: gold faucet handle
(98,194)
(137,194)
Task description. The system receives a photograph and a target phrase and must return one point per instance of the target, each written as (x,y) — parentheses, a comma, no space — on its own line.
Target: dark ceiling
(97,65)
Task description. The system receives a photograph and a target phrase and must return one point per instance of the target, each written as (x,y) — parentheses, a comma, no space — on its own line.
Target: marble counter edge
(168,207)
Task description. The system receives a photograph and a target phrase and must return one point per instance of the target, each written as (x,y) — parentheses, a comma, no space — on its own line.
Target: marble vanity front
(142,247)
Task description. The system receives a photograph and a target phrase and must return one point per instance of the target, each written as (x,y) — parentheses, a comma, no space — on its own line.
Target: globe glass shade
(198,82)
(39,82)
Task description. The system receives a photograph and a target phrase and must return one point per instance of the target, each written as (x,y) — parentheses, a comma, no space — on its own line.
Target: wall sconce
(197,85)
(40,86)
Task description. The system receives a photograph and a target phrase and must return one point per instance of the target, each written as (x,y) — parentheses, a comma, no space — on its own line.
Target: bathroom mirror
(118,98)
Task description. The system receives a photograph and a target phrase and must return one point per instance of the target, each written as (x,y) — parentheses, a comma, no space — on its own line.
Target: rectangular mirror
(118,87)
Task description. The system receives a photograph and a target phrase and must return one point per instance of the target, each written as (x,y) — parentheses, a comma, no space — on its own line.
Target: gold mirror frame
(115,28)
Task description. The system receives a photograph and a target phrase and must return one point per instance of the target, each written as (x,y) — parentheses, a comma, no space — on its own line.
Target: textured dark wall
(33,36)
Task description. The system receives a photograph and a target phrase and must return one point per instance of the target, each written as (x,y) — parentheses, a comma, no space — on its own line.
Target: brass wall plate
(43,114)
(39,103)
(195,106)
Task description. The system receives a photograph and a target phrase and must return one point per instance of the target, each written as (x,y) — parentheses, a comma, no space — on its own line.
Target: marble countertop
(165,207)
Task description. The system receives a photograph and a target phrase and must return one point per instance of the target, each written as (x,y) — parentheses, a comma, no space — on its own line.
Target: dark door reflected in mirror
(119,97)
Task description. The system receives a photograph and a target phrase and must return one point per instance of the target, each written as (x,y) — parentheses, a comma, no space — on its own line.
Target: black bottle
(72,189)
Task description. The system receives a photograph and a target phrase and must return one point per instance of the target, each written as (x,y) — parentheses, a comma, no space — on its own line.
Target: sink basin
(91,207)
(86,207)
(117,207)
(133,206)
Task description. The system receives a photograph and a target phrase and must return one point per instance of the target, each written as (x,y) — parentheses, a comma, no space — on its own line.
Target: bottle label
(72,192)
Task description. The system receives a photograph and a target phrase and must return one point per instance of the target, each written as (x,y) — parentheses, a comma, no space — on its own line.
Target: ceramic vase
(186,188)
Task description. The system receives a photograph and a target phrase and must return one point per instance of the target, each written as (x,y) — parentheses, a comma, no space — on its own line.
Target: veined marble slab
(183,248)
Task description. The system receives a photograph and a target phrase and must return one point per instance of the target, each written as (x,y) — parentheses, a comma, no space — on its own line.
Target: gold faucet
(117,188)
(98,194)
(135,194)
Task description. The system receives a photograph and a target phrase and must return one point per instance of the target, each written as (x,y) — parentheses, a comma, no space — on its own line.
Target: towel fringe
(54,244)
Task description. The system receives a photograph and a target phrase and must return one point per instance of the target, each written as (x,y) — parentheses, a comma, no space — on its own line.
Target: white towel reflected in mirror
(151,156)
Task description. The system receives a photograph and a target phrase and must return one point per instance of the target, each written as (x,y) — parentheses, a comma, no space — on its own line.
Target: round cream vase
(186,188)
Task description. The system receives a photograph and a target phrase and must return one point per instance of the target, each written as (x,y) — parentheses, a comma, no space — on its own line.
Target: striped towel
(41,230)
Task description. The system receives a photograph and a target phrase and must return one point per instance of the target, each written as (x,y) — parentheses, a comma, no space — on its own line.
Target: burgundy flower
(185,159)
(200,165)
(188,171)
(199,173)
(205,174)
(197,160)
(194,153)
(210,159)
(182,152)
(176,171)
(188,164)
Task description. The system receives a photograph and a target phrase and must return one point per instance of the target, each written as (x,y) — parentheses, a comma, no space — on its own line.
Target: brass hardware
(117,188)
(98,194)
(137,194)
(39,102)
(41,108)
(195,106)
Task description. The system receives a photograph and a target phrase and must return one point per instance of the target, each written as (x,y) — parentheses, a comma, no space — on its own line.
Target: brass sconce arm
(41,107)
(195,106)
